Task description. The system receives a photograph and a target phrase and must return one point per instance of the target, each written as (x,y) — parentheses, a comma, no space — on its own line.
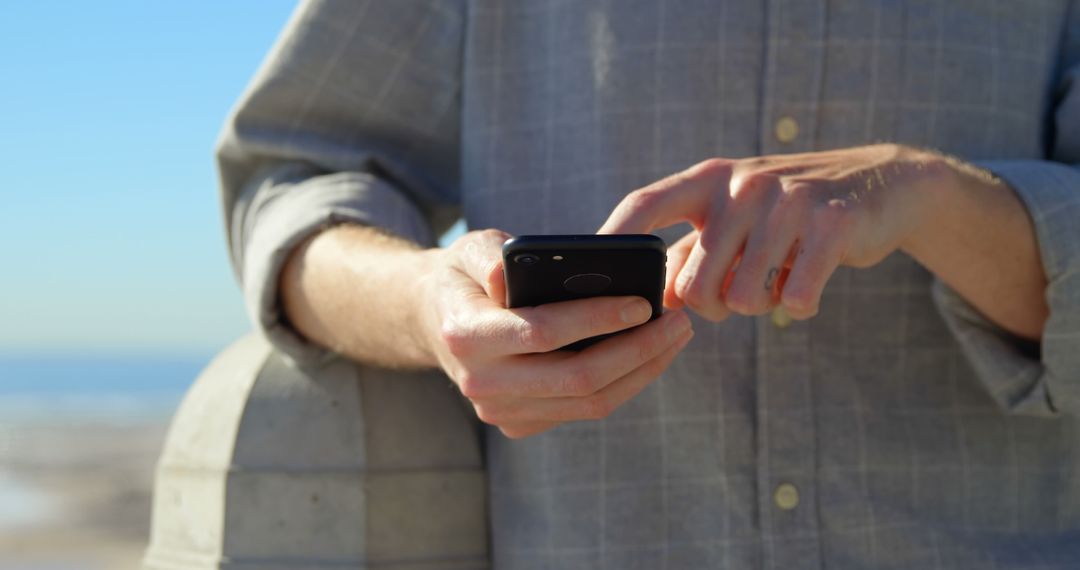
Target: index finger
(531,330)
(681,197)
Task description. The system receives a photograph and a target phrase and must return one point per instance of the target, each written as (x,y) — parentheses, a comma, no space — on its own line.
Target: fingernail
(676,327)
(636,311)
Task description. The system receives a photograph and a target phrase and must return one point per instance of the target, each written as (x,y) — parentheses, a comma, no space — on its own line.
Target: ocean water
(108,389)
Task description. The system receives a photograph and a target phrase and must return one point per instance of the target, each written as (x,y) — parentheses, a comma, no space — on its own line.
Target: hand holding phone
(542,269)
(504,360)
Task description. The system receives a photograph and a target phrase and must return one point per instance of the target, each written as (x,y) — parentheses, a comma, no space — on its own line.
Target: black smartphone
(544,269)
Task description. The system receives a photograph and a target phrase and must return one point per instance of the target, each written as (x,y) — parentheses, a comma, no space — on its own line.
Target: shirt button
(780,318)
(786,130)
(786,496)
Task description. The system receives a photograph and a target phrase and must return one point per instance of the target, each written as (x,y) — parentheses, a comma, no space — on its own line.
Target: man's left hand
(770,231)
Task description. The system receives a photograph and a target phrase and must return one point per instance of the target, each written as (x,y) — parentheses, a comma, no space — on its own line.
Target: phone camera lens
(526,259)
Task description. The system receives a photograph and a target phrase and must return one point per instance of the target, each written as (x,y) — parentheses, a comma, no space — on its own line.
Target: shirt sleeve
(354,117)
(1041,380)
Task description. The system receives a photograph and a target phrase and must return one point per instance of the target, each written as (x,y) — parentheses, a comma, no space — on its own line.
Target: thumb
(481,260)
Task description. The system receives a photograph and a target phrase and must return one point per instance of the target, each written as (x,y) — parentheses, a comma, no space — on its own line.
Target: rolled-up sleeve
(1044,379)
(353,118)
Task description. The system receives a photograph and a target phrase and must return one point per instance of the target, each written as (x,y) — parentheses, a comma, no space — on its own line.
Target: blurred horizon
(115,287)
(114,247)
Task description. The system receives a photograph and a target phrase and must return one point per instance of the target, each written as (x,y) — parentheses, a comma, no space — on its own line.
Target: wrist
(929,198)
(370,295)
(424,321)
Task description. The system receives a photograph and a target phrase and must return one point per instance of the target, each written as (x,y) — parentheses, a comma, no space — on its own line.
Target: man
(920,410)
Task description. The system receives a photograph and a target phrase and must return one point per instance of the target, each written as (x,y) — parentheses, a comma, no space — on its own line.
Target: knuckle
(800,190)
(800,303)
(696,297)
(641,199)
(459,339)
(836,216)
(752,185)
(488,414)
(708,303)
(709,167)
(480,248)
(535,334)
(796,197)
(472,385)
(491,235)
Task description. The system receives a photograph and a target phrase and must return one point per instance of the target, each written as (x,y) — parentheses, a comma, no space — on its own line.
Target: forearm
(358,291)
(977,237)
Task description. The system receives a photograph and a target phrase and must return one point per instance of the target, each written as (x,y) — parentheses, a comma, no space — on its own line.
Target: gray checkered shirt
(897,429)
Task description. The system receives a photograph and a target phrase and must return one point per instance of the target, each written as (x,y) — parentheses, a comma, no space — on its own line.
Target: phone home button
(587,283)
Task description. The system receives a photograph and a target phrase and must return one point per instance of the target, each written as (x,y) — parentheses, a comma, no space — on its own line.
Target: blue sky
(109,223)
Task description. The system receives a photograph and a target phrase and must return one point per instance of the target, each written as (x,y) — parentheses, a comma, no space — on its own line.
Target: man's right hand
(504,360)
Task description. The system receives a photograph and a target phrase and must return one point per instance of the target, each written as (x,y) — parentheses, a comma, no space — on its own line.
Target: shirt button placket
(787,460)
(787,446)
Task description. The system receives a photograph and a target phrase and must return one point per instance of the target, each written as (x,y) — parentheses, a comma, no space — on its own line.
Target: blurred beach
(79,440)
(116,287)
